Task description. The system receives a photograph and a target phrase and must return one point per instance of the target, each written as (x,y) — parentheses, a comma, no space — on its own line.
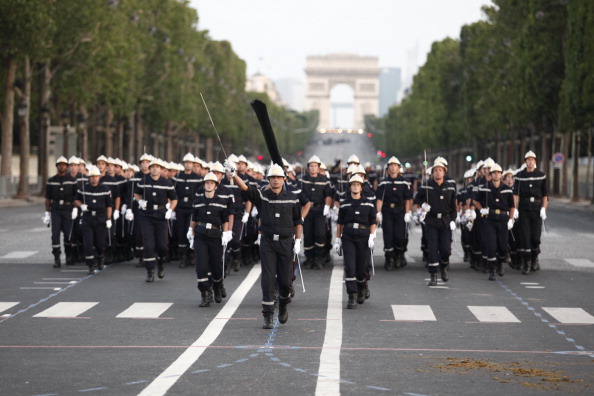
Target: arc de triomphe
(361,73)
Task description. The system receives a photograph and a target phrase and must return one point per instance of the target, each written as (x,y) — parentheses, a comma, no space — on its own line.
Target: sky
(274,37)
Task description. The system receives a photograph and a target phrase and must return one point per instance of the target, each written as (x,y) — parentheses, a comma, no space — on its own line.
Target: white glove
(371,241)
(230,167)
(469,225)
(254,213)
(226,237)
(173,216)
(326,210)
(380,217)
(245,217)
(142,204)
(108,223)
(458,218)
(334,214)
(510,224)
(190,233)
(472,215)
(168,205)
(123,208)
(452,225)
(484,211)
(407,217)
(425,207)
(84,207)
(543,213)
(191,240)
(74,214)
(337,245)
(168,214)
(258,240)
(46,218)
(297,246)
(116,215)
(129,215)
(516,214)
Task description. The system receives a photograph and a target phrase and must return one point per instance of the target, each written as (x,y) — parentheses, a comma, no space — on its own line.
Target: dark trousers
(93,234)
(208,260)
(314,232)
(154,239)
(439,246)
(277,268)
(356,258)
(137,234)
(184,216)
(61,223)
(530,228)
(495,234)
(394,229)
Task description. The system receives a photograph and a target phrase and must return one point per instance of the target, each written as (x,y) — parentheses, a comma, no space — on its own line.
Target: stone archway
(361,73)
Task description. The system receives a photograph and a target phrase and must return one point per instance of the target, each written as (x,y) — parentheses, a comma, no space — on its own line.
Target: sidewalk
(568,203)
(30,201)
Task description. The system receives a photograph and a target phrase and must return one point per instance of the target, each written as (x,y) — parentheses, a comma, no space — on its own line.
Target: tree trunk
(169,140)
(575,171)
(8,119)
(565,151)
(44,122)
(83,132)
(109,133)
(589,163)
(25,146)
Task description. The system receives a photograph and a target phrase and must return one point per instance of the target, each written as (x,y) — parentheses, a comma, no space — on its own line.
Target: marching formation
(217,217)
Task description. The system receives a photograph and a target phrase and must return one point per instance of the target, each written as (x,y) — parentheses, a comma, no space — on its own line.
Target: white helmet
(440,164)
(322,166)
(356,179)
(94,171)
(188,157)
(360,170)
(394,160)
(145,157)
(314,158)
(530,154)
(275,170)
(74,160)
(496,168)
(285,162)
(469,173)
(242,158)
(217,167)
(480,164)
(135,168)
(110,160)
(61,159)
(233,158)
(508,171)
(156,161)
(101,158)
(489,163)
(352,168)
(353,158)
(441,160)
(212,177)
(124,165)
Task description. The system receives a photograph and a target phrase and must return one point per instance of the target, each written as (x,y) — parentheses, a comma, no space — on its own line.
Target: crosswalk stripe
(6,305)
(582,263)
(19,254)
(493,314)
(413,312)
(66,310)
(145,310)
(570,315)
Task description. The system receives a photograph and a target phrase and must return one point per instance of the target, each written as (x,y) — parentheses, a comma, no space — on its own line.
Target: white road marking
(413,312)
(7,305)
(38,229)
(145,310)
(40,288)
(535,287)
(570,315)
(493,314)
(52,283)
(329,371)
(169,377)
(19,254)
(66,310)
(528,283)
(582,263)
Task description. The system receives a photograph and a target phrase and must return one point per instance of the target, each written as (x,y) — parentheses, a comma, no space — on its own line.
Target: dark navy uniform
(356,217)
(393,192)
(234,247)
(138,178)
(209,215)
(93,222)
(462,197)
(186,185)
(279,215)
(531,189)
(442,199)
(157,193)
(114,185)
(60,192)
(316,189)
(499,201)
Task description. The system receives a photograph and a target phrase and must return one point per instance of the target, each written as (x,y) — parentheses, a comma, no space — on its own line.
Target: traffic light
(469,158)
(369,134)
(260,157)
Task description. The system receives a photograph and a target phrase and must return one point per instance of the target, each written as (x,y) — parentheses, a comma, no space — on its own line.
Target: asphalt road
(63,332)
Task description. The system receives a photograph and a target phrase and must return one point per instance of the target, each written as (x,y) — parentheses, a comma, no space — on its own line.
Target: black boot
(319,262)
(361,293)
(526,267)
(444,272)
(189,258)
(57,262)
(140,263)
(492,275)
(206,294)
(216,288)
(500,270)
(389,263)
(403,262)
(100,263)
(534,263)
(182,258)
(235,261)
(267,321)
(70,255)
(150,275)
(433,280)
(283,314)
(466,257)
(160,268)
(92,269)
(222,288)
(352,304)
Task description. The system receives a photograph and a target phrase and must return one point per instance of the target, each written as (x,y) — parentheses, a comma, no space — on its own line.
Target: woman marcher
(209,234)
(355,234)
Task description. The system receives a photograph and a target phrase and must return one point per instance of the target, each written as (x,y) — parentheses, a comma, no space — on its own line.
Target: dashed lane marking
(570,315)
(165,380)
(329,370)
(19,254)
(66,310)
